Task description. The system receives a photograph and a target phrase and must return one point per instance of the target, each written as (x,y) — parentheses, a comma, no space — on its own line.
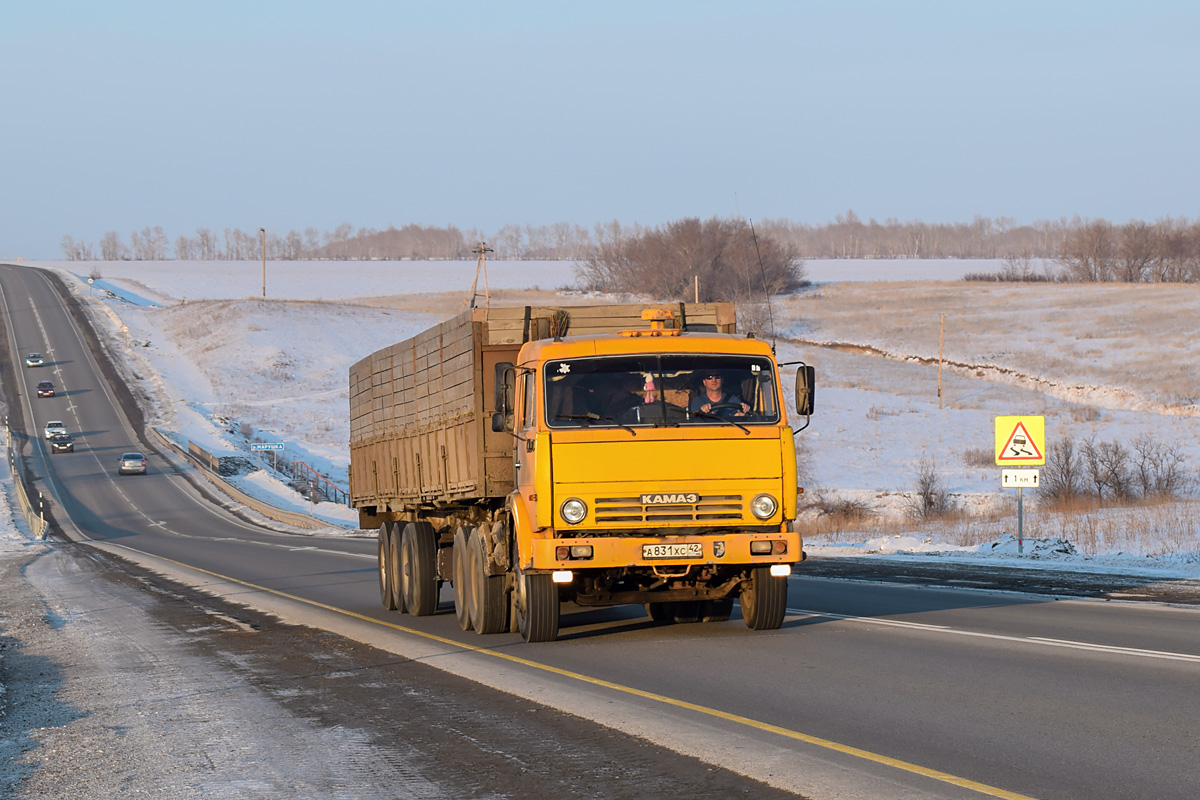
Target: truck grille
(626,510)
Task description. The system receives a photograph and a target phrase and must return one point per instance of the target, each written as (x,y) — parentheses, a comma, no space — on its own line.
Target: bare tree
(726,258)
(1135,253)
(185,248)
(1088,253)
(112,248)
(1062,477)
(931,500)
(1107,466)
(1160,469)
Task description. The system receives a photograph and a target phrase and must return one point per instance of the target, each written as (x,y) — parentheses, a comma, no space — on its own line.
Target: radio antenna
(762,271)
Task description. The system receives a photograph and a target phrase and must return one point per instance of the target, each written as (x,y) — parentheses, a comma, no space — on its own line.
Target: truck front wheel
(764,602)
(537,607)
(418,569)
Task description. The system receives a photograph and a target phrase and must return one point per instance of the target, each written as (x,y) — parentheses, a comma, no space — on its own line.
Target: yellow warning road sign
(1020,441)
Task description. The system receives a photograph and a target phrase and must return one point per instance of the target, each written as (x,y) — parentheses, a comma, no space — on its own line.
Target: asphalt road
(868,690)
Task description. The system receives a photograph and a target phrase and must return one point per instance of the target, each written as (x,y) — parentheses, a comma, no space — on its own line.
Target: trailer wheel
(418,569)
(393,567)
(488,595)
(764,602)
(385,574)
(716,610)
(537,607)
(462,581)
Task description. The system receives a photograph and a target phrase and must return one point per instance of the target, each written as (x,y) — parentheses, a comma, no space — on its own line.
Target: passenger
(712,394)
(627,393)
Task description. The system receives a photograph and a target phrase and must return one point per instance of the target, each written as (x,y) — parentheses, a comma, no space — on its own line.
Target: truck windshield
(675,389)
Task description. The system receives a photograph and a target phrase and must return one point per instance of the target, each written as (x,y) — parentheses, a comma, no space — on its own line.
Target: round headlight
(573,510)
(763,506)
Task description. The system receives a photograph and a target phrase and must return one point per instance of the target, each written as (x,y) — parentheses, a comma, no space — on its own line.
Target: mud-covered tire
(716,610)
(537,607)
(384,553)
(489,595)
(764,601)
(418,569)
(462,580)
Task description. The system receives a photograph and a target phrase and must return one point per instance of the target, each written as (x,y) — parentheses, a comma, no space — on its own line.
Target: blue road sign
(266,445)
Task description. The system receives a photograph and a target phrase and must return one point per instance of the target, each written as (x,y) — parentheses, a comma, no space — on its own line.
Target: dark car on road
(132,464)
(45,389)
(62,443)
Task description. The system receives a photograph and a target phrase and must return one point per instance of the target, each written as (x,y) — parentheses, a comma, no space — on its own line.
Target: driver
(713,399)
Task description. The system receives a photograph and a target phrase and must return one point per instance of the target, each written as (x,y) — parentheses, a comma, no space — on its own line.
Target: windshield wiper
(592,417)
(722,419)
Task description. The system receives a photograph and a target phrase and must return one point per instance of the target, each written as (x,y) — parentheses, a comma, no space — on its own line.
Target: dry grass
(979,457)
(1103,335)
(1146,529)
(1151,529)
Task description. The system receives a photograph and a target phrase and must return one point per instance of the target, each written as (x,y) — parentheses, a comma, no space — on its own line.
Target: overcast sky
(123,115)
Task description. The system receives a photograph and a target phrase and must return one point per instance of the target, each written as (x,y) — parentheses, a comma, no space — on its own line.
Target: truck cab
(654,467)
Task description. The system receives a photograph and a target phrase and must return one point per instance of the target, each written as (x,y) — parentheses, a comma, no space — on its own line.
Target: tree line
(1082,250)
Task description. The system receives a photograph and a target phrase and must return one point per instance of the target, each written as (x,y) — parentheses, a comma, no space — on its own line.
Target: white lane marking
(1038,640)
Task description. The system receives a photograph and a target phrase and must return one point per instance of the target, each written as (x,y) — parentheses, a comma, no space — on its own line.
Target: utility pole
(941,342)
(263,231)
(481,266)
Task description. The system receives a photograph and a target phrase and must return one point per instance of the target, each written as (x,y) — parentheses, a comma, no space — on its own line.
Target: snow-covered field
(223,367)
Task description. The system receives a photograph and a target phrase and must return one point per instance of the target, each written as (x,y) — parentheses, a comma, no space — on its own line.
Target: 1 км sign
(1020,441)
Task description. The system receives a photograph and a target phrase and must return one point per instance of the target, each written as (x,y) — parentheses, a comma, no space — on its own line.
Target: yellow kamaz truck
(531,456)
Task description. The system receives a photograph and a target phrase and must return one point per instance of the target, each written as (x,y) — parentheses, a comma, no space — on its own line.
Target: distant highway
(868,690)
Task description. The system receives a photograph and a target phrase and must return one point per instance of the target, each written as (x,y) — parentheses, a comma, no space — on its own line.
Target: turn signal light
(768,547)
(576,551)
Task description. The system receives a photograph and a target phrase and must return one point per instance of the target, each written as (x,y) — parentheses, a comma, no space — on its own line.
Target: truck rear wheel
(418,569)
(489,596)
(659,612)
(385,579)
(393,567)
(462,581)
(764,603)
(537,607)
(685,611)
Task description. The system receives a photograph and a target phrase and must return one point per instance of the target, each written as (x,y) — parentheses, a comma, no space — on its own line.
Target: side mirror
(505,379)
(806,389)
(500,423)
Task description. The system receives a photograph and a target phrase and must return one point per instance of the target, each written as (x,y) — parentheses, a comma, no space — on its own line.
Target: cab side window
(527,416)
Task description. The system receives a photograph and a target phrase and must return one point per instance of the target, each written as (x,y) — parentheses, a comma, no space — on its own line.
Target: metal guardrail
(205,466)
(35,518)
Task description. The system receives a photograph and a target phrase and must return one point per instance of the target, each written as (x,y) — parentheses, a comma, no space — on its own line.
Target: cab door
(525,455)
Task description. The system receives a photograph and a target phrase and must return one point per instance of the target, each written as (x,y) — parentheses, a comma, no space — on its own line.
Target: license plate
(684,550)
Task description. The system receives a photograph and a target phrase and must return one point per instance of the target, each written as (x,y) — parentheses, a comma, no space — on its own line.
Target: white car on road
(52,427)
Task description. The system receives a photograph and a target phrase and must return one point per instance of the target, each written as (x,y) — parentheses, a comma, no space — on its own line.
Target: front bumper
(732,549)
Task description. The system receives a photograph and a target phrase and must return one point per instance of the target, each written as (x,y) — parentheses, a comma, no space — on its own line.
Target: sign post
(1020,441)
(274,447)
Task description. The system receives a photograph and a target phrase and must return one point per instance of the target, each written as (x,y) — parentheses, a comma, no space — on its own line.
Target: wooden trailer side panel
(420,410)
